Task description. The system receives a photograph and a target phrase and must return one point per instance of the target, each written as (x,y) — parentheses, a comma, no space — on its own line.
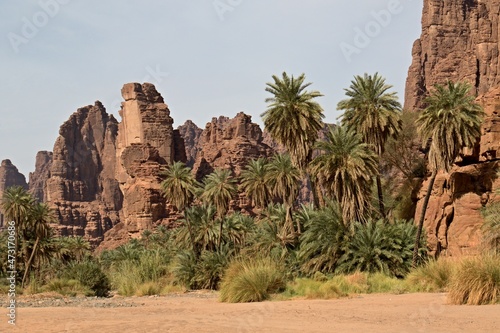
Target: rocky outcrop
(81,186)
(191,135)
(9,176)
(229,144)
(459,41)
(38,178)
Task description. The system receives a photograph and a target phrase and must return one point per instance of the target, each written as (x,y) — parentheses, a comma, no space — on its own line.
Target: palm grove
(359,218)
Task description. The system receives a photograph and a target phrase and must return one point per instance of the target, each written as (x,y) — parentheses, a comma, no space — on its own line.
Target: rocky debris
(191,135)
(38,178)
(459,41)
(9,176)
(453,219)
(81,186)
(229,144)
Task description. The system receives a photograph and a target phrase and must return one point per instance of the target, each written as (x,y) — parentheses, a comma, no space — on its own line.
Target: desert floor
(201,312)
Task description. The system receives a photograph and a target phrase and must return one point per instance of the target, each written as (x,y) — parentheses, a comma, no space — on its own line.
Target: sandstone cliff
(9,176)
(146,144)
(81,187)
(460,41)
(38,178)
(191,135)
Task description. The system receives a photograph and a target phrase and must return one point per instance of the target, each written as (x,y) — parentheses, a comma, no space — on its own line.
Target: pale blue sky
(207,58)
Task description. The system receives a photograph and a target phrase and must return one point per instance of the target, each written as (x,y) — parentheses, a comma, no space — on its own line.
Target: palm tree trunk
(422,218)
(191,236)
(29,262)
(380,197)
(220,233)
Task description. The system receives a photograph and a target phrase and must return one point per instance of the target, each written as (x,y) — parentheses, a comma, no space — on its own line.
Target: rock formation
(146,143)
(81,187)
(460,41)
(191,135)
(229,144)
(9,176)
(38,178)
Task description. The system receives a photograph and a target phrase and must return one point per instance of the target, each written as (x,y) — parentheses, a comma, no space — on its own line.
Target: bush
(251,280)
(476,282)
(90,275)
(434,276)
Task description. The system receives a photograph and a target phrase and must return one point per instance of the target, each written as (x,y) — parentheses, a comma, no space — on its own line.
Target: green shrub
(210,268)
(90,275)
(380,247)
(322,242)
(251,280)
(434,276)
(184,269)
(477,281)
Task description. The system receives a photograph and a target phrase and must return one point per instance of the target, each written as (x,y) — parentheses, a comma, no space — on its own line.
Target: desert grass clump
(313,289)
(477,281)
(251,280)
(382,283)
(434,276)
(67,287)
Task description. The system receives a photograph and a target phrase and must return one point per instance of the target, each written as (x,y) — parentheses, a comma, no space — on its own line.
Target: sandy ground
(366,313)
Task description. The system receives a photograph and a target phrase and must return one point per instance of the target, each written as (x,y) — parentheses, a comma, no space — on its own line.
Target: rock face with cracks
(460,42)
(81,187)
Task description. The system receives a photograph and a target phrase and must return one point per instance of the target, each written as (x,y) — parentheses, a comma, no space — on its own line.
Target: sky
(206,57)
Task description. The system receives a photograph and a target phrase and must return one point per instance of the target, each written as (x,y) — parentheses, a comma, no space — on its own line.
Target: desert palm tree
(219,189)
(450,122)
(179,188)
(254,182)
(16,204)
(346,167)
(373,112)
(37,227)
(284,180)
(293,118)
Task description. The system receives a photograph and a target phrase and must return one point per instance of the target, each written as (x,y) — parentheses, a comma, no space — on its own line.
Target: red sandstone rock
(38,178)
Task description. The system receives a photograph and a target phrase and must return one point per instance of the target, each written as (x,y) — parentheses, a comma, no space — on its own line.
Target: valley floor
(202,313)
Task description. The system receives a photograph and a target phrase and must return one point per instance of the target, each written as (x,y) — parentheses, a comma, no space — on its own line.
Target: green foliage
(477,281)
(184,269)
(90,275)
(371,110)
(179,186)
(345,168)
(219,189)
(293,117)
(379,247)
(491,227)
(321,244)
(451,121)
(251,280)
(132,265)
(255,182)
